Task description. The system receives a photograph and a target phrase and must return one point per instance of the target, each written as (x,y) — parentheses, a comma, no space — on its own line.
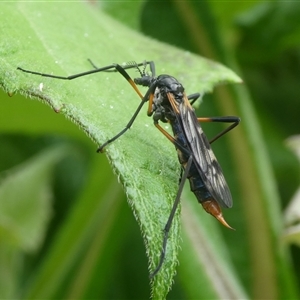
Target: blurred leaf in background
(92,247)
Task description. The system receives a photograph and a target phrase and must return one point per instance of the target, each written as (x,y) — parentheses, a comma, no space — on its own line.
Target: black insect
(168,103)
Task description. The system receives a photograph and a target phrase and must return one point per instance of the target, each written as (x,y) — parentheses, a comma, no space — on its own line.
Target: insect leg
(100,149)
(172,139)
(144,100)
(171,216)
(92,63)
(117,68)
(229,119)
(193,97)
(112,66)
(132,65)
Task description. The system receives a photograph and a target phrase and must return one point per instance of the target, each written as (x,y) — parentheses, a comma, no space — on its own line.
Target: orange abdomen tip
(213,208)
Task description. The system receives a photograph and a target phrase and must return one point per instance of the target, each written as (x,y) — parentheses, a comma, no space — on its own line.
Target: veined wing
(209,169)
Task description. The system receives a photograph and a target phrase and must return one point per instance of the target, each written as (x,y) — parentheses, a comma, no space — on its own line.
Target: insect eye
(177,88)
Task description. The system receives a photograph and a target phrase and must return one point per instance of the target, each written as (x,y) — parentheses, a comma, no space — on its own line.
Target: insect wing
(203,156)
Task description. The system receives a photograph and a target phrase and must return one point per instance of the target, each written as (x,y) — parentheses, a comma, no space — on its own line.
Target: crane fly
(168,103)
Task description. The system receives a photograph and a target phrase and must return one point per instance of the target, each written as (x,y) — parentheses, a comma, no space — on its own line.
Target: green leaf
(25,210)
(292,212)
(58,39)
(25,201)
(80,241)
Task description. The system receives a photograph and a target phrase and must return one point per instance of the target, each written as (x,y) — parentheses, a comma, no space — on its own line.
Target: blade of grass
(88,216)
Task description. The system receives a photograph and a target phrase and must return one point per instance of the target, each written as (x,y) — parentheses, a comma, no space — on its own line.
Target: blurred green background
(260,41)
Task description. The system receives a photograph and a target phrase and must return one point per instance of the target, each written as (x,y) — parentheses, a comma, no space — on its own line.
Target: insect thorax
(169,84)
(162,107)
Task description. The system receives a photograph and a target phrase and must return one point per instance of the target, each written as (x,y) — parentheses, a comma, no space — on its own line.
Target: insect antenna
(144,69)
(142,72)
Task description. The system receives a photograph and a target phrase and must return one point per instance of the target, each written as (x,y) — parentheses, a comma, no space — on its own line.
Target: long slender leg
(112,66)
(109,68)
(152,68)
(171,139)
(119,69)
(228,119)
(171,216)
(92,63)
(131,65)
(100,149)
(193,97)
(144,100)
